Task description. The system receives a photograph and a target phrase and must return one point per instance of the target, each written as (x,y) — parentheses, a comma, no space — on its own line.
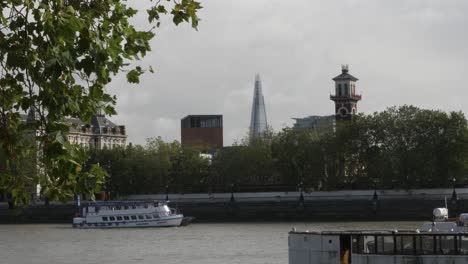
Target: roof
(122,203)
(345,75)
(101,121)
(377,232)
(202,116)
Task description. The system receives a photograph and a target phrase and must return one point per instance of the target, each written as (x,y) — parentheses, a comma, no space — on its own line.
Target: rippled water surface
(246,243)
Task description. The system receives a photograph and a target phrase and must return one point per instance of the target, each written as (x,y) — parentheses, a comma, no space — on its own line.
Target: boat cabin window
(140,217)
(404,245)
(119,218)
(410,244)
(425,245)
(133,217)
(445,245)
(111,218)
(462,245)
(104,218)
(157,216)
(385,244)
(126,217)
(149,217)
(365,245)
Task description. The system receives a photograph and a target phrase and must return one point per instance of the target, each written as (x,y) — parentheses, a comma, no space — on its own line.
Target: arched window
(343,112)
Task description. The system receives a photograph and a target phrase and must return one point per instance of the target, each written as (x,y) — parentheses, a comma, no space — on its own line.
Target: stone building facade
(100,133)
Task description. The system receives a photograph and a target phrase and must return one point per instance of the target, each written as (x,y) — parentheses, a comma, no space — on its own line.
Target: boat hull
(169,221)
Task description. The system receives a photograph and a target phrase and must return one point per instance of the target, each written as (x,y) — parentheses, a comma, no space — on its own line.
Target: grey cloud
(403,52)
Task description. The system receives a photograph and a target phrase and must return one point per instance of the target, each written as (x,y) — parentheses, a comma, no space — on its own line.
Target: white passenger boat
(127,214)
(440,241)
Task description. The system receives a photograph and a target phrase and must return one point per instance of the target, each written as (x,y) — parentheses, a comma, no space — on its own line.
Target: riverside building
(345,99)
(99,133)
(202,130)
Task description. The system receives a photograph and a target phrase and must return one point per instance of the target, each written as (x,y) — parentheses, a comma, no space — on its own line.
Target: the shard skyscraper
(258,121)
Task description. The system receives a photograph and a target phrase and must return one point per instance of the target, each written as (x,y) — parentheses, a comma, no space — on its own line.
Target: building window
(111,218)
(346,89)
(119,218)
(133,217)
(104,218)
(140,217)
(339,89)
(126,217)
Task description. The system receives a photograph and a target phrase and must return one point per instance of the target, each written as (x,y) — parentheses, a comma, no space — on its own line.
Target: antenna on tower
(344,68)
(257,77)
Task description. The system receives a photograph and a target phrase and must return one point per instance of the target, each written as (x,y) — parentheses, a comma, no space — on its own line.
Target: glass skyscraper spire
(258,120)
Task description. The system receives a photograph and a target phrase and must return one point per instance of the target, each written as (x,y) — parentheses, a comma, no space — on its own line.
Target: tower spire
(258,120)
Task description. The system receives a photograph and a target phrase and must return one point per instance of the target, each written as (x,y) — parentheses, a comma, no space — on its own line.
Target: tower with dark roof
(345,96)
(258,119)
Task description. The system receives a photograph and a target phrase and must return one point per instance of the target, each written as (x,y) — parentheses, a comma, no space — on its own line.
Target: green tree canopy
(56,58)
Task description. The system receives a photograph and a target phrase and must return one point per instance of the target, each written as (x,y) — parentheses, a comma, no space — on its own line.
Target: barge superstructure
(443,240)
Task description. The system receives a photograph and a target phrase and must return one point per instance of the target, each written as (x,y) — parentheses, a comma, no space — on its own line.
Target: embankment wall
(279,206)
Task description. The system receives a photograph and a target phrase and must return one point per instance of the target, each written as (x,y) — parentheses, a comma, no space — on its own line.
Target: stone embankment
(371,205)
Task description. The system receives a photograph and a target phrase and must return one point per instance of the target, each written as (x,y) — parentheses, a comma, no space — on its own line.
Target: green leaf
(133,76)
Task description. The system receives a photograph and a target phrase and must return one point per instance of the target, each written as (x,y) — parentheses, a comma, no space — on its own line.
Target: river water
(226,243)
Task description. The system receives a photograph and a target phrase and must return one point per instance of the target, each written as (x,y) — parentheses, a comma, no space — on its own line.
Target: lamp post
(301,197)
(232,193)
(375,197)
(454,199)
(454,193)
(167,192)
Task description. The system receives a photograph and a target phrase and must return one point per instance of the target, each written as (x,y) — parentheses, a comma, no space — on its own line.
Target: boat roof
(377,232)
(123,203)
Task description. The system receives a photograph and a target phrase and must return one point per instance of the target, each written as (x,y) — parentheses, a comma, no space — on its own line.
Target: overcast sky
(403,52)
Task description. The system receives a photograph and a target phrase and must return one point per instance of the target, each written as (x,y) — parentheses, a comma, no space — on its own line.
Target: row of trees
(404,147)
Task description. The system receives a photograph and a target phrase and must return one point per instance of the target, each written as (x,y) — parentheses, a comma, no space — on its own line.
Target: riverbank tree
(404,148)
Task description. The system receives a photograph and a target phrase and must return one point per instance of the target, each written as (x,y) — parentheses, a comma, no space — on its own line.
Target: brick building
(202,130)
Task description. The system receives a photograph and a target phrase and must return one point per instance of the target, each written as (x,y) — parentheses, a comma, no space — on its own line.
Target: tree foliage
(403,147)
(56,58)
(153,168)
(247,163)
